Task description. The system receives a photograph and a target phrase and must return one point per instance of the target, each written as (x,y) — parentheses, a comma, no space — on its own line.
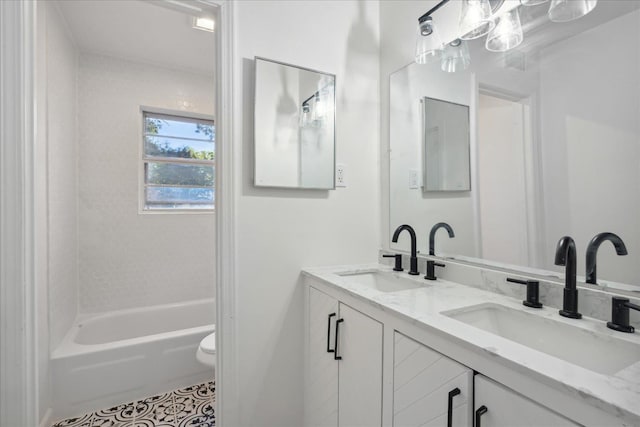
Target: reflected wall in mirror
(294,127)
(445,153)
(555,144)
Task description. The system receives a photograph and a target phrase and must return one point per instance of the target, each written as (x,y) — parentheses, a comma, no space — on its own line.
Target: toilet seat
(206,353)
(208,344)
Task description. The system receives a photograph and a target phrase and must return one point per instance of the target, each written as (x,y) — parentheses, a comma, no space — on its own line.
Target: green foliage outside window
(178,158)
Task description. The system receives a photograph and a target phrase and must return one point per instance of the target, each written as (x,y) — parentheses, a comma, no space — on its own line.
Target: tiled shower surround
(191,406)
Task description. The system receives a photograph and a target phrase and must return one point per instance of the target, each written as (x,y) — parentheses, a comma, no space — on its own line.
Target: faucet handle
(431,269)
(398,257)
(533,292)
(620,314)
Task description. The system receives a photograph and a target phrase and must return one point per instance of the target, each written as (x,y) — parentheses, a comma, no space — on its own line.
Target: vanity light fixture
(475,19)
(320,109)
(204,24)
(428,42)
(507,33)
(316,107)
(455,56)
(569,10)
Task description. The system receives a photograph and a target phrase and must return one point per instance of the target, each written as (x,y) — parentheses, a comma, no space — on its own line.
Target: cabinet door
(422,382)
(321,391)
(360,369)
(504,407)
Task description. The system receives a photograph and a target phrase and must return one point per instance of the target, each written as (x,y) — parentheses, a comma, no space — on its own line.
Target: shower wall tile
(62,151)
(128,259)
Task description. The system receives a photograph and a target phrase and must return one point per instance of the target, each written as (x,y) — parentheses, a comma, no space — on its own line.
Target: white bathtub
(111,358)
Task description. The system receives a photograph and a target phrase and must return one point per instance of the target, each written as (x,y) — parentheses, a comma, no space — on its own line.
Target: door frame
(19,402)
(534,228)
(18,316)
(227,389)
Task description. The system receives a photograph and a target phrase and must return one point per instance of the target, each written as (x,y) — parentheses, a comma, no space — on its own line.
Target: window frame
(143,159)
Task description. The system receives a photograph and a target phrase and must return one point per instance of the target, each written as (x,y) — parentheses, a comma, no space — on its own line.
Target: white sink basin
(382,281)
(594,351)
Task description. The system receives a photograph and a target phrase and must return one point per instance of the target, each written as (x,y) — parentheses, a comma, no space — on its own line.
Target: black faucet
(620,314)
(413,270)
(533,292)
(566,256)
(398,261)
(592,252)
(431,265)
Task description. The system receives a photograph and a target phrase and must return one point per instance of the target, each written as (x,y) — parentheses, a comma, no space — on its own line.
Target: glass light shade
(532,2)
(428,42)
(507,34)
(455,57)
(475,19)
(568,10)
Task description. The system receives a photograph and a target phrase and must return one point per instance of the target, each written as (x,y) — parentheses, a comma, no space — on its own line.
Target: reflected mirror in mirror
(555,144)
(445,164)
(294,129)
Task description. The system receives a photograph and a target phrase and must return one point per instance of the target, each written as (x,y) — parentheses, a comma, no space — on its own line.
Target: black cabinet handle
(335,347)
(479,412)
(453,393)
(329,350)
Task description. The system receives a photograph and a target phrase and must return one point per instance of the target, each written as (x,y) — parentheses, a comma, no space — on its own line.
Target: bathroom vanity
(384,348)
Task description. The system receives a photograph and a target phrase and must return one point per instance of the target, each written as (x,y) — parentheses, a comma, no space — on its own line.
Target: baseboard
(46,420)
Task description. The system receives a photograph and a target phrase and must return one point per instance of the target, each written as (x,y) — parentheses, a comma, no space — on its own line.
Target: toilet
(206,353)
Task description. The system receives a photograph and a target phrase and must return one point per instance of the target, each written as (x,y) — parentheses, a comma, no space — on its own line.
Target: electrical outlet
(341,175)
(414,179)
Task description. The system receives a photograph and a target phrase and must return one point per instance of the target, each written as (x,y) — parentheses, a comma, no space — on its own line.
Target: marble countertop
(617,394)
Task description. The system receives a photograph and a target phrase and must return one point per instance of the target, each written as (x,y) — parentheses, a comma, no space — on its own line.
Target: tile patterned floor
(191,406)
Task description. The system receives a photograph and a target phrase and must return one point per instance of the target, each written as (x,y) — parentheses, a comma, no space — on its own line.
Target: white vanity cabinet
(429,389)
(344,374)
(498,406)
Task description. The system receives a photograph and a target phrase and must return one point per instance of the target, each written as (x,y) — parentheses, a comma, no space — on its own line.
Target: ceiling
(142,31)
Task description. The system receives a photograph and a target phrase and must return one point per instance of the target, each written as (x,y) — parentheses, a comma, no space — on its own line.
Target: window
(178,160)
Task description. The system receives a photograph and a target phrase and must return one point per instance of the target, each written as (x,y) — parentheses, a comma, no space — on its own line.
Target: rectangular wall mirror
(294,127)
(555,145)
(445,141)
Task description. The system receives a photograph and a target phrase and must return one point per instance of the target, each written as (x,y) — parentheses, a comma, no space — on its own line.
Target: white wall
(280,231)
(586,129)
(61,60)
(128,259)
(397,48)
(411,205)
(503,217)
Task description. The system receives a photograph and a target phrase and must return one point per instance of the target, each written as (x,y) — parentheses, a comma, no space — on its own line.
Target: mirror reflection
(555,143)
(294,127)
(445,153)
